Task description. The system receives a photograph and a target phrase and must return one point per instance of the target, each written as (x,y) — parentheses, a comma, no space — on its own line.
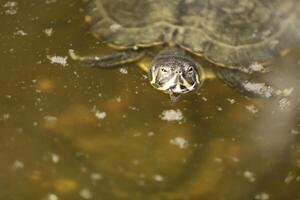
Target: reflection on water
(68,132)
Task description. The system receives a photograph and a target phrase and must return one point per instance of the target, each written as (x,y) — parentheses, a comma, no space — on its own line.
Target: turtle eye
(164,70)
(190,70)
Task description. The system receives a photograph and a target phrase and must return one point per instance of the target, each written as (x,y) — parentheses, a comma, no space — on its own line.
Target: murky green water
(69,132)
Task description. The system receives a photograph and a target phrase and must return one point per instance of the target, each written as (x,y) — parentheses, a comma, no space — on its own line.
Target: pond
(71,132)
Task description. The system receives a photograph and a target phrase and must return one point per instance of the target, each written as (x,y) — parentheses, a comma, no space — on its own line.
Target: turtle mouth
(176,85)
(180,88)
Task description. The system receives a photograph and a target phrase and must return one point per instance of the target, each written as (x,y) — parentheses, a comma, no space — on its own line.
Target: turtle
(240,38)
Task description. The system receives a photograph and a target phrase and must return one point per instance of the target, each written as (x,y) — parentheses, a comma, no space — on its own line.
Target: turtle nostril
(182,87)
(178,72)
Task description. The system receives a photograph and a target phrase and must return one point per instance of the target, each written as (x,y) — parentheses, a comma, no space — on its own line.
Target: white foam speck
(48,32)
(100,114)
(96,176)
(284,104)
(262,196)
(17,165)
(115,27)
(231,101)
(252,109)
(259,88)
(249,176)
(123,71)
(55,158)
(6,116)
(158,178)
(171,115)
(295,131)
(180,142)
(11,7)
(20,33)
(50,118)
(257,67)
(287,91)
(86,193)
(52,197)
(58,60)
(290,177)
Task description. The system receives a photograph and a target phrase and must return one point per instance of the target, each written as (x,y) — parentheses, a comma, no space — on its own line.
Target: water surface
(70,132)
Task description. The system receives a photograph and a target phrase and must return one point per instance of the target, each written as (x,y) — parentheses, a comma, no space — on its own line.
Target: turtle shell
(233,33)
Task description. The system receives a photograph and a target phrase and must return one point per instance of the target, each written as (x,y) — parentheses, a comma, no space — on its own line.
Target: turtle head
(174,74)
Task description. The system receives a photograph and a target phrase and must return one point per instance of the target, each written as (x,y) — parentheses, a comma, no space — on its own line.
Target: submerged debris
(171,115)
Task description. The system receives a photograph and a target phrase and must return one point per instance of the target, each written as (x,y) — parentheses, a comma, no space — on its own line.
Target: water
(69,132)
